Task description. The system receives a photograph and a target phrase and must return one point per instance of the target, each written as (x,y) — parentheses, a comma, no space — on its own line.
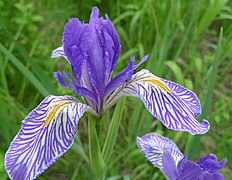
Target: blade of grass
(3,173)
(186,34)
(3,79)
(123,16)
(176,71)
(12,44)
(213,8)
(78,148)
(124,37)
(46,80)
(4,64)
(155,62)
(30,76)
(134,22)
(155,21)
(128,54)
(35,67)
(194,141)
(24,82)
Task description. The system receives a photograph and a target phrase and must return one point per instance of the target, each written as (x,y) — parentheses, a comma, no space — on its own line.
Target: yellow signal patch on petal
(158,83)
(162,150)
(56,109)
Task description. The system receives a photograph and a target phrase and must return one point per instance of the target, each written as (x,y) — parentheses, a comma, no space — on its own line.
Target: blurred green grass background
(182,40)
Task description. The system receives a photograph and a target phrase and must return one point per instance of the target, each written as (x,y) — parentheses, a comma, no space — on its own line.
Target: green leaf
(176,70)
(96,160)
(113,131)
(37,70)
(23,69)
(3,173)
(78,148)
(194,141)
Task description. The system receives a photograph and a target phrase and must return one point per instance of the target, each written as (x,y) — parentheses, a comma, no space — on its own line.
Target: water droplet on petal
(74,47)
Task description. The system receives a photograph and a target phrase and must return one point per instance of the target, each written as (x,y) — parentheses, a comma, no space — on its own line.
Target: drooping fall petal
(46,134)
(176,107)
(164,154)
(154,145)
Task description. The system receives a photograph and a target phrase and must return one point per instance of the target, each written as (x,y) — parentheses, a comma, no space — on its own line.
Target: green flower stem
(113,131)
(97,163)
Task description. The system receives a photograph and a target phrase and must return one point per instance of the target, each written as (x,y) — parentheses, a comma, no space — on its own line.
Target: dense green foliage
(182,40)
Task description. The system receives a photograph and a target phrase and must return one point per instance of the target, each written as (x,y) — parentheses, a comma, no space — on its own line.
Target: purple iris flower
(92,49)
(164,154)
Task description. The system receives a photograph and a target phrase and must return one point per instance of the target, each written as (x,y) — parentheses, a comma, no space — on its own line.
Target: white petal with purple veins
(46,134)
(175,106)
(59,52)
(154,145)
(187,96)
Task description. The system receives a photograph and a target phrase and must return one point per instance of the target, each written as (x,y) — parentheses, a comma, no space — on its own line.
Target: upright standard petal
(154,145)
(175,108)
(103,51)
(94,46)
(75,42)
(112,51)
(92,49)
(46,134)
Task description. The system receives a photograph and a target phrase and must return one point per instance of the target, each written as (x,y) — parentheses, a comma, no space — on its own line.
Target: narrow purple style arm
(46,134)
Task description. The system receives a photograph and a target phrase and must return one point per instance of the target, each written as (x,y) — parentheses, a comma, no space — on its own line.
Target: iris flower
(92,49)
(165,155)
